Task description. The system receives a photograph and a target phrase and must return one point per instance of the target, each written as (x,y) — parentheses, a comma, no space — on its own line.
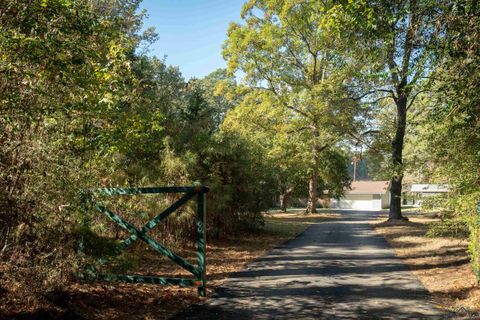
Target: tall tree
(290,54)
(395,40)
(286,150)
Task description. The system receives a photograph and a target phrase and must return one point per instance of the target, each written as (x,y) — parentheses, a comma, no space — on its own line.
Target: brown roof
(368,187)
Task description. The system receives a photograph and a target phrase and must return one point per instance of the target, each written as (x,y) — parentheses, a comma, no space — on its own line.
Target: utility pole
(355,159)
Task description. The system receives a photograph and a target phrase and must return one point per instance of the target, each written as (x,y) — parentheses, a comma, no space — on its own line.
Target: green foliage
(82,107)
(449,133)
(65,70)
(124,263)
(448,228)
(434,202)
(297,87)
(95,245)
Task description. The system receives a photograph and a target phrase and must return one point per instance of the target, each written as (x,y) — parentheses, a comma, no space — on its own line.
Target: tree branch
(414,97)
(299,129)
(372,92)
(360,140)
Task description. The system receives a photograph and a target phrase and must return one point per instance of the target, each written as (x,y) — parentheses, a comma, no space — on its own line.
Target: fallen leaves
(100,300)
(441,264)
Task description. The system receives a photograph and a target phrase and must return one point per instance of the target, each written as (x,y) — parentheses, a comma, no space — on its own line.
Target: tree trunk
(312,192)
(395,211)
(283,202)
(312,185)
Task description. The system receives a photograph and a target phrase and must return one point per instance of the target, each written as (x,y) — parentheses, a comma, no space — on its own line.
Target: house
(365,195)
(418,192)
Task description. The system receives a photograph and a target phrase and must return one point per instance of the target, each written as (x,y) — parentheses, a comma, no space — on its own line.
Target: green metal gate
(91,272)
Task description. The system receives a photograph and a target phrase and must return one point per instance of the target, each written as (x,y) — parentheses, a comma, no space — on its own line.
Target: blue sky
(191,32)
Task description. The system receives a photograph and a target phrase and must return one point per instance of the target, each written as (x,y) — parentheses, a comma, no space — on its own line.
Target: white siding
(385,200)
(377,204)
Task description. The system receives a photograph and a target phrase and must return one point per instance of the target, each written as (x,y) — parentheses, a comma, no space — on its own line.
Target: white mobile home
(420,191)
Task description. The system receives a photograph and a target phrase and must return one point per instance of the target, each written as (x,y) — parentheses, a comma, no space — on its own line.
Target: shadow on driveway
(340,269)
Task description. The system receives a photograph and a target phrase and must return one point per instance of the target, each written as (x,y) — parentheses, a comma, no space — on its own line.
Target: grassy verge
(440,263)
(134,301)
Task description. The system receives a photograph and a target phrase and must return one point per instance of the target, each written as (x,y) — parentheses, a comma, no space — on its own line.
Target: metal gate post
(201,246)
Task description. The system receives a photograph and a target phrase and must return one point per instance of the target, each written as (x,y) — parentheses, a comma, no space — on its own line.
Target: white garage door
(358,202)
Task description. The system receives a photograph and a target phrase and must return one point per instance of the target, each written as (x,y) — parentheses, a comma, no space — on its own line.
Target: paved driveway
(340,269)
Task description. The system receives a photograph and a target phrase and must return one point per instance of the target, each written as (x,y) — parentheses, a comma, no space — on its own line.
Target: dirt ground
(101,300)
(440,263)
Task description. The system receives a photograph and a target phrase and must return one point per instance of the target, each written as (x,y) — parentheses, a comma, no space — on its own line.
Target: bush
(449,227)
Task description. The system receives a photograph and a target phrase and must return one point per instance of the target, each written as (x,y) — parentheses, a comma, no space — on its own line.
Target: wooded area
(83,105)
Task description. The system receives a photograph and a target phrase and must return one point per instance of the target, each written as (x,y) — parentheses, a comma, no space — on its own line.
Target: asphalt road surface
(340,269)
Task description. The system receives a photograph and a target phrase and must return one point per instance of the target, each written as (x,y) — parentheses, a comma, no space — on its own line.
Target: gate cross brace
(136,234)
(141,234)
